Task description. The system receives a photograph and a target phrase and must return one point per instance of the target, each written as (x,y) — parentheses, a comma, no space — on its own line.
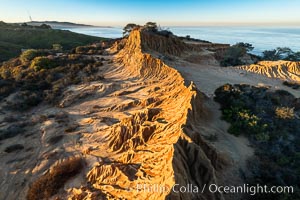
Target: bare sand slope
(209,77)
(285,70)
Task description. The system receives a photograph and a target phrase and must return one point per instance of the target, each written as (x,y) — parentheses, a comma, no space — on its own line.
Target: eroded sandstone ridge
(158,143)
(133,134)
(285,70)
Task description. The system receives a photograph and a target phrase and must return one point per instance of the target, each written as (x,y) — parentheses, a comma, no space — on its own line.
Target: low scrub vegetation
(244,121)
(42,62)
(89,50)
(236,54)
(293,85)
(269,119)
(281,53)
(33,78)
(239,54)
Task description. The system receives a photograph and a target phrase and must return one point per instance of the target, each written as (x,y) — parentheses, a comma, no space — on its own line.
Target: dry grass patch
(49,184)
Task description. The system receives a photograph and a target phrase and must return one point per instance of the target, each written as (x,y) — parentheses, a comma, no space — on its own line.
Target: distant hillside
(56,23)
(60,25)
(15,37)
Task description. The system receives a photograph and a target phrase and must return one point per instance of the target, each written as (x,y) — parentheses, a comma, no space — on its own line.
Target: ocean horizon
(262,38)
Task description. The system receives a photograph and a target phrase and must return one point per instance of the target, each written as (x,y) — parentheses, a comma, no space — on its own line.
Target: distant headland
(58,25)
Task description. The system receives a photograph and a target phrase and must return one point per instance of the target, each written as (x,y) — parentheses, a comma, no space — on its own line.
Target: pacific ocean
(262,38)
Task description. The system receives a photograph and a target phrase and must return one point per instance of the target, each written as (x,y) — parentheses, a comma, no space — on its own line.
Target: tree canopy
(129,27)
(281,53)
(149,26)
(246,47)
(234,54)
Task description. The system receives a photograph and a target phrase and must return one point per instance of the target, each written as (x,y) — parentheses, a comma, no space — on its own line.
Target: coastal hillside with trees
(15,37)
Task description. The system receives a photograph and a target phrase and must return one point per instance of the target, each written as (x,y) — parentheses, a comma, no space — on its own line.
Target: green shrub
(262,136)
(283,160)
(28,55)
(234,54)
(281,53)
(81,50)
(57,47)
(243,121)
(267,117)
(40,63)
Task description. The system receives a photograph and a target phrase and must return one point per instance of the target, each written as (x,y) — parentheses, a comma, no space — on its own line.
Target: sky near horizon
(164,12)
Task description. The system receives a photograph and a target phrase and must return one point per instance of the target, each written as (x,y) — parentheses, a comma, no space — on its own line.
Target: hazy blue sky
(165,12)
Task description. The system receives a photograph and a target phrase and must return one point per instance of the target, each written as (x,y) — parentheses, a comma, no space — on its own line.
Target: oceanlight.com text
(252,190)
